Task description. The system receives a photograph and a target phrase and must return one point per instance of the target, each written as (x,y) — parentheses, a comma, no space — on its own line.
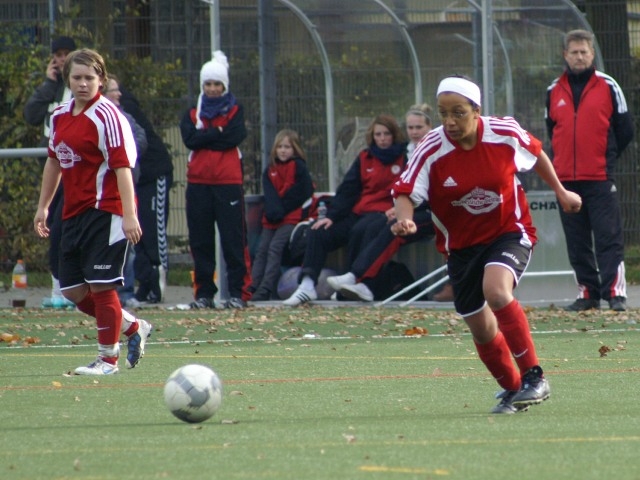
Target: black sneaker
(618,304)
(152,298)
(202,303)
(582,304)
(535,389)
(235,302)
(506,405)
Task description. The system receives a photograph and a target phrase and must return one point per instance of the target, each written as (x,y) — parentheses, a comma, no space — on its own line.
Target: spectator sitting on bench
(358,207)
(357,283)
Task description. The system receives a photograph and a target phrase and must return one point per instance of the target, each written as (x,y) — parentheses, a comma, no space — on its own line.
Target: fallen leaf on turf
(10,337)
(236,392)
(56,384)
(416,331)
(603,350)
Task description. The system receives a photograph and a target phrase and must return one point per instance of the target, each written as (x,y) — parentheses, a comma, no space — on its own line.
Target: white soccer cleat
(300,296)
(99,367)
(338,281)
(136,342)
(359,291)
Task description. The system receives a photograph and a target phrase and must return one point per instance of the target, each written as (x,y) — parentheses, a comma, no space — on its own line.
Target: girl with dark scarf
(213,130)
(357,211)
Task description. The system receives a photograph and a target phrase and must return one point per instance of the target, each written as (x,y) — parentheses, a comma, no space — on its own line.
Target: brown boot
(444,295)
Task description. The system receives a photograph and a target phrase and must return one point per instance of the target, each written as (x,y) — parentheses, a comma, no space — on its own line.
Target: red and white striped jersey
(89,146)
(475,195)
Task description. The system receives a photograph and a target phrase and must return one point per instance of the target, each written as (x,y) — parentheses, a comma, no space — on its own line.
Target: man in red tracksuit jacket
(589,126)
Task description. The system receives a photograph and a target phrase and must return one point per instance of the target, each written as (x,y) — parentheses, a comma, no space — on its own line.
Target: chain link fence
(367,45)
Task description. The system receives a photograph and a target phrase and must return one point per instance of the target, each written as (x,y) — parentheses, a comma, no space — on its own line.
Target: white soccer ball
(193,393)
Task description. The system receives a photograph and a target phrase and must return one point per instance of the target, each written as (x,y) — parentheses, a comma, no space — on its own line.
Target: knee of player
(496,297)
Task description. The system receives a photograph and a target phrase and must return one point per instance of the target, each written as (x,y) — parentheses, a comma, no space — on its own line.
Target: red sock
(133,328)
(111,360)
(513,323)
(86,305)
(497,358)
(108,316)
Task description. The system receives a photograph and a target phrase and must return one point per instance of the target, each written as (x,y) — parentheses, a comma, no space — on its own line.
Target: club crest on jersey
(395,169)
(65,155)
(478,201)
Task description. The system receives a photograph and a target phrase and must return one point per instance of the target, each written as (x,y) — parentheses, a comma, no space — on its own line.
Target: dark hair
(387,121)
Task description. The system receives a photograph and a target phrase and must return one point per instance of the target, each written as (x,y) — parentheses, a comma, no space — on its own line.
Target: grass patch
(316,393)
(632,264)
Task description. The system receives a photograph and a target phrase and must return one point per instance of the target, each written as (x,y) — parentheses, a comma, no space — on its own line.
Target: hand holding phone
(53,71)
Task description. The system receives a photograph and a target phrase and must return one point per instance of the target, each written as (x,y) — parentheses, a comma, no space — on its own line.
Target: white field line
(321,338)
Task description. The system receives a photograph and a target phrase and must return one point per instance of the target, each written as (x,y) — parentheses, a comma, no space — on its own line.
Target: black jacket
(156,161)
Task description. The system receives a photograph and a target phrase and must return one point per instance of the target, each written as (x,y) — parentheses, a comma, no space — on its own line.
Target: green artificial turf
(314,393)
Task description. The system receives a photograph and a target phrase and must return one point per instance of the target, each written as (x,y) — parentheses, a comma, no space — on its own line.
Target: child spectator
(287,188)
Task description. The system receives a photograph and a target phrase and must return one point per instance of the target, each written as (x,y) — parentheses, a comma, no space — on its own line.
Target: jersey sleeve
(118,143)
(526,147)
(414,181)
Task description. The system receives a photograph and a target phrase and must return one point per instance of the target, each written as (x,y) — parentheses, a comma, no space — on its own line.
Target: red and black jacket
(587,136)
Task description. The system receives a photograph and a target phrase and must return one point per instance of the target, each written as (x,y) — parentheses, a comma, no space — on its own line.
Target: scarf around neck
(387,155)
(211,107)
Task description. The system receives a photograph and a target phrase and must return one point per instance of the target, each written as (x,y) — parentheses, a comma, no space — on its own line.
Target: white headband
(462,87)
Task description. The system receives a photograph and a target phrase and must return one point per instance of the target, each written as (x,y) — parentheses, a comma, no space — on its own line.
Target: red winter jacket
(587,141)
(377,180)
(215,158)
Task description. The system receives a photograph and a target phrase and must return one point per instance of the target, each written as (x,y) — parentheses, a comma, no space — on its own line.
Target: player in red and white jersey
(466,170)
(481,197)
(91,147)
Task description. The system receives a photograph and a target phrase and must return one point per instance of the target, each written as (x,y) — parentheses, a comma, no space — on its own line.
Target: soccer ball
(193,393)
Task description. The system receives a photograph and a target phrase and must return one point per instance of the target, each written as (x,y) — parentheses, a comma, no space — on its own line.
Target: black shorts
(92,250)
(466,269)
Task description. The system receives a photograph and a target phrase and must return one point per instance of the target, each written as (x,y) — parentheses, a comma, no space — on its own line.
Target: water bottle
(322,210)
(19,285)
